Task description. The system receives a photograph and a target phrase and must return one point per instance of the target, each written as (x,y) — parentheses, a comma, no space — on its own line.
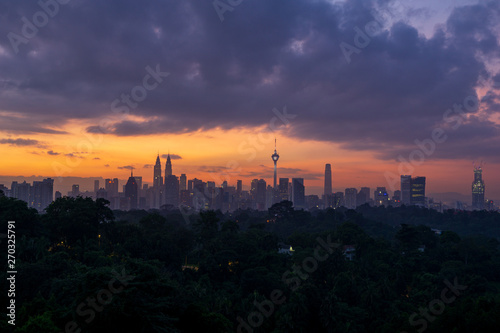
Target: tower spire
(275,158)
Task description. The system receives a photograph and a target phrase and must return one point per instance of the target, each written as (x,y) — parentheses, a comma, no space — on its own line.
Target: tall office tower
(172,190)
(131,191)
(239,188)
(157,185)
(328,180)
(478,189)
(338,199)
(381,197)
(182,182)
(417,191)
(275,158)
(22,191)
(138,180)
(396,198)
(405,189)
(42,193)
(253,189)
(57,195)
(14,190)
(260,198)
(108,186)
(350,198)
(283,189)
(75,190)
(168,167)
(270,196)
(298,193)
(157,179)
(96,185)
(115,187)
(363,196)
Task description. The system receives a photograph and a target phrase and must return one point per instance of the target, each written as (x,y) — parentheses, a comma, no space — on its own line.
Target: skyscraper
(363,196)
(96,185)
(157,179)
(381,197)
(42,193)
(172,191)
(478,189)
(405,189)
(111,187)
(75,190)
(261,194)
(182,182)
(417,191)
(298,193)
(131,191)
(239,187)
(168,167)
(328,180)
(283,189)
(350,198)
(275,158)
(157,185)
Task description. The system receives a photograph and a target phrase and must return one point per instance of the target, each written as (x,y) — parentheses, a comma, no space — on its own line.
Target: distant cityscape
(170,192)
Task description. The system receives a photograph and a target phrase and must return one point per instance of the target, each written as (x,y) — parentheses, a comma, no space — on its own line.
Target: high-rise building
(298,193)
(172,191)
(396,198)
(57,195)
(182,182)
(338,199)
(283,189)
(42,193)
(405,189)
(239,188)
(75,190)
(478,189)
(111,187)
(253,189)
(270,196)
(157,179)
(96,185)
(275,158)
(261,193)
(328,180)
(157,193)
(350,198)
(131,191)
(138,180)
(363,196)
(417,191)
(381,197)
(168,167)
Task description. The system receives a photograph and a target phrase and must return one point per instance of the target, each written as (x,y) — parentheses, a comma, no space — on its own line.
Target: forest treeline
(85,268)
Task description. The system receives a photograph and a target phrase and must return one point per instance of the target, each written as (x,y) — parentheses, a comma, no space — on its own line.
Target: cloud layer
(396,88)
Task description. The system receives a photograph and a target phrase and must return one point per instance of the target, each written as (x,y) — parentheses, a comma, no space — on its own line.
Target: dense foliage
(84,267)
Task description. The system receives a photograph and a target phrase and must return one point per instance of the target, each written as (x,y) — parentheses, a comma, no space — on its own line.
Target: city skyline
(169,190)
(218,177)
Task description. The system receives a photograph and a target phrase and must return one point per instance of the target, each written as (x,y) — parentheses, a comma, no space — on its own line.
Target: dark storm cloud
(19,142)
(264,55)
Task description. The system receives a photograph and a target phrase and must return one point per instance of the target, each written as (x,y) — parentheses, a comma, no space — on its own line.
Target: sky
(376,88)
